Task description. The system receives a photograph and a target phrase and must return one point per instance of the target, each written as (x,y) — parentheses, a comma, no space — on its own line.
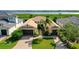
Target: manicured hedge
(16,35)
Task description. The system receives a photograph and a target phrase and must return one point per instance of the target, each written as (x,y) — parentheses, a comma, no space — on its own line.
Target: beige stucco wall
(12,29)
(9,31)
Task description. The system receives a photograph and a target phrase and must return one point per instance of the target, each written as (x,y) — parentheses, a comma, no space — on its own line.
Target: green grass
(28,16)
(24,16)
(43,44)
(4,45)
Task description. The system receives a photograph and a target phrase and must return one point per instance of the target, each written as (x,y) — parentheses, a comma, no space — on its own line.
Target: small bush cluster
(70,34)
(36,41)
(36,33)
(73,46)
(16,35)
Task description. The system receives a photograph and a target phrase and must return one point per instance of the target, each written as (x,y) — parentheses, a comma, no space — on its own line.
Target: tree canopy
(70,31)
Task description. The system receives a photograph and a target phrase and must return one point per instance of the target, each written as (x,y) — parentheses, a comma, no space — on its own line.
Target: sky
(39,4)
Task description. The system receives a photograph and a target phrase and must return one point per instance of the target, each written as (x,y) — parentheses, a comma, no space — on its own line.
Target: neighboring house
(64,21)
(9,23)
(31,24)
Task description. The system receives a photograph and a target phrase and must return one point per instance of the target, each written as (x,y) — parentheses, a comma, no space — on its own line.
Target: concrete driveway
(24,43)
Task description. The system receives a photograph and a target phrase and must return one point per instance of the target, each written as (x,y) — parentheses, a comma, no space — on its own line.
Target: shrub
(48,37)
(73,46)
(36,41)
(55,18)
(53,44)
(46,33)
(36,32)
(16,35)
(63,38)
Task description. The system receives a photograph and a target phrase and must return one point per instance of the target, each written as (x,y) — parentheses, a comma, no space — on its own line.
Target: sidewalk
(59,44)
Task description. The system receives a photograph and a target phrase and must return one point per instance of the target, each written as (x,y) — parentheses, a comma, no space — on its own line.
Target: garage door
(3,32)
(54,32)
(27,32)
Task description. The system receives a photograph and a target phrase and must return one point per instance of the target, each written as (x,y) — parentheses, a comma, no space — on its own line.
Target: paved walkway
(24,43)
(59,44)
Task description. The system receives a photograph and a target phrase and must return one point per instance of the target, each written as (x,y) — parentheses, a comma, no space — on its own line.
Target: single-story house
(31,24)
(9,23)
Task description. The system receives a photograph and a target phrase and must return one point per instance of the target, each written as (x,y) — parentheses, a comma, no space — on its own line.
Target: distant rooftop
(72,19)
(7,25)
(4,23)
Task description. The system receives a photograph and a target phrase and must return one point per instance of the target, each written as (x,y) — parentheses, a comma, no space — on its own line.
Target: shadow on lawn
(36,41)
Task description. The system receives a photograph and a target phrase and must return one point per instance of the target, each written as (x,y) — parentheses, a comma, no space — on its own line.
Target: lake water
(40,12)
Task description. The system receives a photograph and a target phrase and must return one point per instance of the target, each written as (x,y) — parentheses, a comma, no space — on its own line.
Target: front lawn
(43,43)
(5,45)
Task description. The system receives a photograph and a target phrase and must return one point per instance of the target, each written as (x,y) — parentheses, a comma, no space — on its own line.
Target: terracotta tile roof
(31,23)
(39,18)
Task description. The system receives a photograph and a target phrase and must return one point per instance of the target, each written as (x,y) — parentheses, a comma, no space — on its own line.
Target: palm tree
(48,23)
(41,27)
(44,26)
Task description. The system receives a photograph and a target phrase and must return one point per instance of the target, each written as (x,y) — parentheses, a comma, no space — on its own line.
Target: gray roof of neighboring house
(64,21)
(4,16)
(3,23)
(6,25)
(74,19)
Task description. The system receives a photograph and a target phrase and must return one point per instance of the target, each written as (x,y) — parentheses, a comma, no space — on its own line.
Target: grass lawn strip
(4,45)
(43,44)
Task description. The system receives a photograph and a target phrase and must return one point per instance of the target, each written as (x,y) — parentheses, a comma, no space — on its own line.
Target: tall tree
(70,31)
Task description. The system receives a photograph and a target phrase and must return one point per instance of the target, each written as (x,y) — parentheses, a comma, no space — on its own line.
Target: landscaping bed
(43,43)
(11,41)
(72,45)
